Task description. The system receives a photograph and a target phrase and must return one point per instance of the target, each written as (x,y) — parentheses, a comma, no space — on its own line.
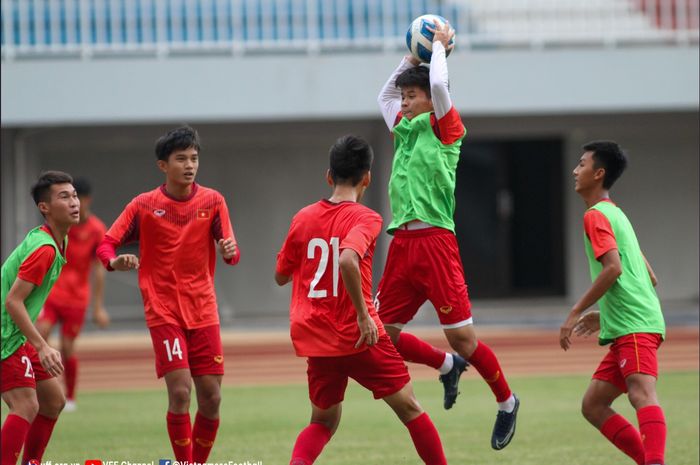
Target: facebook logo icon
(165,462)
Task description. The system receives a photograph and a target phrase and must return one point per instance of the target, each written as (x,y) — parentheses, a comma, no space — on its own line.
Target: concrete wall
(268,171)
(204,88)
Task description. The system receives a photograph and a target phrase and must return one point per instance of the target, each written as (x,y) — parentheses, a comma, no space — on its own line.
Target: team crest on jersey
(446,309)
(159,212)
(202,214)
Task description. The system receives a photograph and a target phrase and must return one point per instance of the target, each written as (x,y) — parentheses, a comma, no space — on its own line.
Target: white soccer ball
(419,39)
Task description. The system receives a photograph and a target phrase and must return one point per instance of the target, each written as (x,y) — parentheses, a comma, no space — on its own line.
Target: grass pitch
(260,425)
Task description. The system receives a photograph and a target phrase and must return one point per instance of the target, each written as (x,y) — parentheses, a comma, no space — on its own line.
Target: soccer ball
(419,39)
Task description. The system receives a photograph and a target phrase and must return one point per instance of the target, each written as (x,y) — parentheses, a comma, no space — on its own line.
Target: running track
(121,362)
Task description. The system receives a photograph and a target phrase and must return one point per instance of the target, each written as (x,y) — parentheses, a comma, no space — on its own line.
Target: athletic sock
(416,350)
(203,436)
(71,376)
(426,440)
(310,443)
(486,363)
(14,432)
(652,426)
(180,433)
(37,438)
(447,364)
(624,436)
(508,405)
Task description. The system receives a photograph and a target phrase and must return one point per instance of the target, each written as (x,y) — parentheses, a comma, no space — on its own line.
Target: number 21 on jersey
(318,245)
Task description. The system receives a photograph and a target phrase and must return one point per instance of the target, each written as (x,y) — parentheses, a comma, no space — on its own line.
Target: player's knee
(640,398)
(179,396)
(464,346)
(53,406)
(210,401)
(27,408)
(408,410)
(591,410)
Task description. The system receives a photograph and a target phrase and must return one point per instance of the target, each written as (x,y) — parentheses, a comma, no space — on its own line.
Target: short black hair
(180,138)
(82,186)
(417,76)
(41,190)
(350,158)
(609,156)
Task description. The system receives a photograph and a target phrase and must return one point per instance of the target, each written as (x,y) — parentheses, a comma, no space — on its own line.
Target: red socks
(645,449)
(416,350)
(71,376)
(624,436)
(486,363)
(652,426)
(483,359)
(37,438)
(180,433)
(310,443)
(426,440)
(203,436)
(14,432)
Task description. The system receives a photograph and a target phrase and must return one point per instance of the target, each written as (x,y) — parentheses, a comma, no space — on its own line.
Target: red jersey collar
(328,202)
(45,227)
(171,197)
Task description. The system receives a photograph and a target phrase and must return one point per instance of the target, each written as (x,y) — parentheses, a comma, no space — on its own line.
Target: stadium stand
(88,27)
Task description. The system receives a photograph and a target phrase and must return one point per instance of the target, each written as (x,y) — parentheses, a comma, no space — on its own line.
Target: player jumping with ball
(424,261)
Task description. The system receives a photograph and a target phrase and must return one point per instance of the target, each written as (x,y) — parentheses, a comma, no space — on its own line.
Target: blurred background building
(88,85)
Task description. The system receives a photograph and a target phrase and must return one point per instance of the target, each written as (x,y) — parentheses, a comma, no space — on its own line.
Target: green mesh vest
(422,183)
(12,337)
(630,305)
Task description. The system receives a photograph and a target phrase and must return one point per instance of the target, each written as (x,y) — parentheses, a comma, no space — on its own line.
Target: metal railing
(85,28)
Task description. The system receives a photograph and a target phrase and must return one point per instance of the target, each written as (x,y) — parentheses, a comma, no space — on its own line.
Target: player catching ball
(327,256)
(179,227)
(424,261)
(630,317)
(29,365)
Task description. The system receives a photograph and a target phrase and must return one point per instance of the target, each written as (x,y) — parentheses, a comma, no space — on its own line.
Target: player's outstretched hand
(50,359)
(368,331)
(125,262)
(565,335)
(442,33)
(100,317)
(587,324)
(227,248)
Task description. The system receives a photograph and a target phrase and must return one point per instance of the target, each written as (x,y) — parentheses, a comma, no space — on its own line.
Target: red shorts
(198,349)
(22,369)
(380,369)
(630,354)
(422,265)
(71,318)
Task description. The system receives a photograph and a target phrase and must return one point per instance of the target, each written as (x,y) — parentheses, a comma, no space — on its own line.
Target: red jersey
(73,285)
(599,232)
(177,248)
(323,320)
(34,268)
